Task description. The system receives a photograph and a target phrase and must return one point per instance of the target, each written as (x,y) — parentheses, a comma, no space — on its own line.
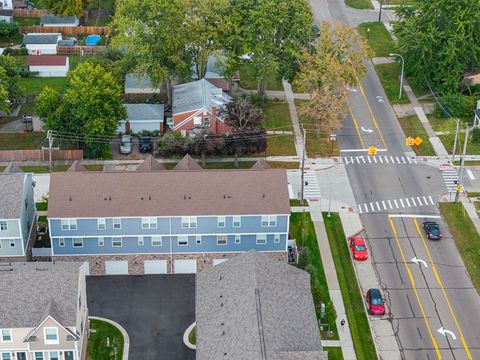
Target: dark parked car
(375,303)
(146,145)
(432,230)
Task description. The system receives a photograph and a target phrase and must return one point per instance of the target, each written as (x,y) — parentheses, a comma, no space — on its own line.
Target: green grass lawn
(24,21)
(352,296)
(34,85)
(93,167)
(412,126)
(281,145)
(248,79)
(389,75)
(192,337)
(301,227)
(298,202)
(284,164)
(397,2)
(359,4)
(21,141)
(441,124)
(378,38)
(466,238)
(41,206)
(97,343)
(277,116)
(334,353)
(41,169)
(448,141)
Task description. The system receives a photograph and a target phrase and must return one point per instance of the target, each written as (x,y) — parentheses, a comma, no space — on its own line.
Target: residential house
(41,43)
(17,215)
(195,105)
(142,117)
(64,21)
(48,66)
(215,74)
(6,10)
(254,307)
(43,311)
(178,221)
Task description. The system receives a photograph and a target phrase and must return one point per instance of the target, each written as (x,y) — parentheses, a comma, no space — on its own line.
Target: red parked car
(375,303)
(359,249)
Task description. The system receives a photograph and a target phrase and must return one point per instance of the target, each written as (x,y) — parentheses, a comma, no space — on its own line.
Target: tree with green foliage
(89,110)
(8,29)
(439,41)
(66,7)
(10,82)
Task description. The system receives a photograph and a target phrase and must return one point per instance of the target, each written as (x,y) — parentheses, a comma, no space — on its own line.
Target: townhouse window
(54,355)
(140,241)
(261,239)
(206,121)
(101,241)
(156,241)
(238,239)
(269,220)
(117,223)
(68,355)
(149,223)
(237,221)
(12,243)
(77,242)
(101,224)
(38,355)
(222,240)
(276,238)
(182,240)
(189,222)
(51,335)
(117,241)
(61,242)
(198,240)
(69,224)
(6,356)
(6,335)
(3,225)
(221,221)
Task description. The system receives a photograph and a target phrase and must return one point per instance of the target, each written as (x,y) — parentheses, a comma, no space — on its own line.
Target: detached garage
(48,66)
(185,266)
(155,266)
(142,117)
(116,267)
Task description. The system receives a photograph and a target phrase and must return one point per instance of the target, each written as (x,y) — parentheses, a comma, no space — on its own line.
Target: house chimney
(213,120)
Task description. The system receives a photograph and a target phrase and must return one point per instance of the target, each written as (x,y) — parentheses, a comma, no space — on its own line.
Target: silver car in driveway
(126,145)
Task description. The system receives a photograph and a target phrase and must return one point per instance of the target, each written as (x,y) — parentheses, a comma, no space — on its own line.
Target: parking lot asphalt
(155,310)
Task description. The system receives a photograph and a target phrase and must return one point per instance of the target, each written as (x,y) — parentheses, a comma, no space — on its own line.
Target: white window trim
(116,238)
(261,237)
(35,353)
(269,221)
(70,223)
(276,238)
(50,342)
(239,221)
(238,239)
(226,240)
(6,352)
(61,242)
(157,238)
(50,354)
(101,241)
(140,241)
(11,243)
(187,222)
(182,238)
(6,225)
(11,336)
(73,242)
(119,223)
(149,222)
(224,222)
(101,221)
(198,240)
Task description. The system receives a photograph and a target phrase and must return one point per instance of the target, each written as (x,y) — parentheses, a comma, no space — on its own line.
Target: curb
(186,341)
(126,338)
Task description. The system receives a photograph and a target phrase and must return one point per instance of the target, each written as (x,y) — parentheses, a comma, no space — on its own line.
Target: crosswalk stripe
(366,208)
(391,158)
(345,159)
(371,205)
(363,159)
(384,206)
(415,161)
(381,159)
(360,209)
(386,159)
(375,159)
(413,201)
(408,202)
(419,201)
(401,202)
(431,200)
(378,205)
(351,159)
(425,199)
(390,204)
(403,159)
(369,160)
(398,160)
(396,204)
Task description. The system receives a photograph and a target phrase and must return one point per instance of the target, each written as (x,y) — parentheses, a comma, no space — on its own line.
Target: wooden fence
(76,50)
(29,13)
(39,155)
(65,30)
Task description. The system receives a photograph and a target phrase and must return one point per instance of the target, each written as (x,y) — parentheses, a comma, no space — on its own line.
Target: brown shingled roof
(76,167)
(150,164)
(261,164)
(165,193)
(46,60)
(187,163)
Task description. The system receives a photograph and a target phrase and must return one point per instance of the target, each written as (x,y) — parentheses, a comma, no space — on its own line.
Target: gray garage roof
(52,19)
(199,94)
(40,38)
(32,291)
(255,307)
(11,189)
(136,112)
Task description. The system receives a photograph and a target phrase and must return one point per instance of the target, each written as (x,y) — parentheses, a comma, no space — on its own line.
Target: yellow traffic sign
(459,187)
(418,140)
(409,141)
(372,150)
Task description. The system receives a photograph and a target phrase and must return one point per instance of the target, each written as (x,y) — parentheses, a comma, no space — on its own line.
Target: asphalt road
(421,300)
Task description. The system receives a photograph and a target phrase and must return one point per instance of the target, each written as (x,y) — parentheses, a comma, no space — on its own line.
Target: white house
(142,117)
(6,15)
(41,43)
(48,66)
(65,21)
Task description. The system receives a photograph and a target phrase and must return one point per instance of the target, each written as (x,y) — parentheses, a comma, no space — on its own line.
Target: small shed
(41,43)
(142,117)
(6,15)
(48,66)
(65,21)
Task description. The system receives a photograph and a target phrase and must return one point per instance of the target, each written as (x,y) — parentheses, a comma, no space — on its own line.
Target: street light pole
(303,163)
(401,76)
(462,163)
(456,140)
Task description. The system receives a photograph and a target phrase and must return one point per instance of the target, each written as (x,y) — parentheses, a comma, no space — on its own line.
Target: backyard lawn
(21,141)
(105,341)
(281,145)
(389,75)
(248,79)
(466,238)
(359,4)
(352,296)
(26,21)
(412,127)
(277,116)
(378,38)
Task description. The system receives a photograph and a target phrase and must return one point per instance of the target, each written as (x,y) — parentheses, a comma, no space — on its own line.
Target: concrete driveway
(155,310)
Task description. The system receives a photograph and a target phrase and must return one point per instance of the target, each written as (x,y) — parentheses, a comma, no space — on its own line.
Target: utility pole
(303,162)
(50,144)
(462,161)
(380,13)
(456,139)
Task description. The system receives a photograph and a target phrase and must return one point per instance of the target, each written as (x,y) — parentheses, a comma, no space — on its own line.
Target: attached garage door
(155,266)
(116,267)
(185,266)
(218,261)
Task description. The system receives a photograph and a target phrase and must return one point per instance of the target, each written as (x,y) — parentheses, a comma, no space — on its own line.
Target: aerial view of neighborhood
(239,180)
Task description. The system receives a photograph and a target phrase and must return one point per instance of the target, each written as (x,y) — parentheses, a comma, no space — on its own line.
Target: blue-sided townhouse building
(159,221)
(17,216)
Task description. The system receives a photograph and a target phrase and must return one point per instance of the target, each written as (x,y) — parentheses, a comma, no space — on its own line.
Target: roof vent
(264,196)
(105,199)
(223,333)
(110,198)
(149,197)
(70,198)
(184,197)
(141,198)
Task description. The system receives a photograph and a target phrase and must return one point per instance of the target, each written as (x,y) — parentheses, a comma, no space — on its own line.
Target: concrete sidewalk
(294,116)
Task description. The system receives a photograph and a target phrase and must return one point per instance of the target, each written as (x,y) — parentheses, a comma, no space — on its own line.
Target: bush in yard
(304,258)
(459,106)
(8,29)
(476,135)
(15,52)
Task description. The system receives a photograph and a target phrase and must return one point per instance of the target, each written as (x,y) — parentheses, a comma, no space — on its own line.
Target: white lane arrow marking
(419,261)
(367,130)
(380,99)
(444,332)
